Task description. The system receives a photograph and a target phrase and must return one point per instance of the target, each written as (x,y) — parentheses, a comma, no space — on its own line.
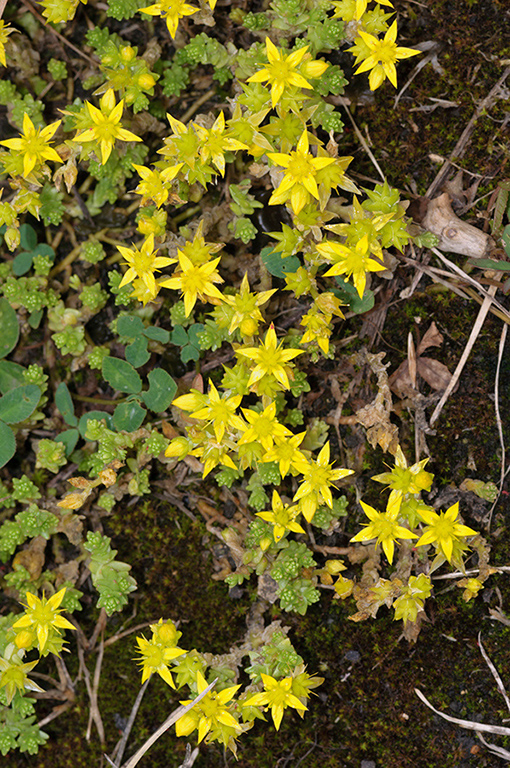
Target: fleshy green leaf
(157,334)
(278,265)
(10,328)
(137,353)
(11,376)
(121,375)
(64,403)
(28,237)
(69,438)
(18,404)
(7,444)
(161,392)
(130,326)
(22,263)
(97,416)
(128,416)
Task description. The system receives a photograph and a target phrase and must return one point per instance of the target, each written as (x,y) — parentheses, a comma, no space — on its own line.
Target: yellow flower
(195,282)
(214,144)
(361,7)
(317,479)
(286,454)
(5,31)
(270,359)
(298,182)
(172,11)
(281,70)
(154,657)
(142,263)
(247,315)
(443,530)
(264,427)
(353,261)
(152,186)
(33,145)
(106,128)
(13,677)
(282,517)
(44,616)
(382,55)
(277,695)
(384,527)
(221,411)
(210,714)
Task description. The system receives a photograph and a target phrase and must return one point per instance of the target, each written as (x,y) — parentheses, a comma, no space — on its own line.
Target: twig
(498,729)
(62,39)
(3,3)
(198,103)
(502,476)
(460,146)
(482,314)
(179,712)
(119,752)
(494,671)
(364,144)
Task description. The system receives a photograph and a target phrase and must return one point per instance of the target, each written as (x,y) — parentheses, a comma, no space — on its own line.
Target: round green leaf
(22,263)
(64,403)
(97,416)
(7,444)
(136,353)
(10,328)
(28,237)
(350,296)
(35,317)
(157,334)
(189,352)
(121,375)
(43,249)
(11,376)
(130,326)
(161,392)
(179,336)
(69,438)
(278,265)
(18,404)
(129,416)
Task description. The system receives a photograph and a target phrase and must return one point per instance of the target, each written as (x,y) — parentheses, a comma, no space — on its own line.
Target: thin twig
(3,3)
(118,754)
(461,145)
(179,712)
(494,671)
(475,331)
(364,144)
(62,39)
(502,476)
(498,729)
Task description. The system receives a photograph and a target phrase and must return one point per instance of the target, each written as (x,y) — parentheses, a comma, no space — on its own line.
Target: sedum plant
(160,276)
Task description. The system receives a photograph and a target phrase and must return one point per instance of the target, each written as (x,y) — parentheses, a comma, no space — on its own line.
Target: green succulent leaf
(121,375)
(18,404)
(10,328)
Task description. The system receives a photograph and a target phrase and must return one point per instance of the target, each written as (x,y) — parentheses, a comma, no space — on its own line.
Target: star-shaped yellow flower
(220,411)
(106,128)
(282,71)
(277,695)
(264,427)
(195,282)
(384,527)
(5,31)
(282,517)
(43,614)
(33,145)
(142,263)
(382,56)
(317,481)
(270,359)
(247,315)
(443,530)
(298,183)
(353,261)
(172,11)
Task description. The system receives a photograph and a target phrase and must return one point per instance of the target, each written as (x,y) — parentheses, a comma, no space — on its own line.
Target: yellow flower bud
(146,81)
(127,53)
